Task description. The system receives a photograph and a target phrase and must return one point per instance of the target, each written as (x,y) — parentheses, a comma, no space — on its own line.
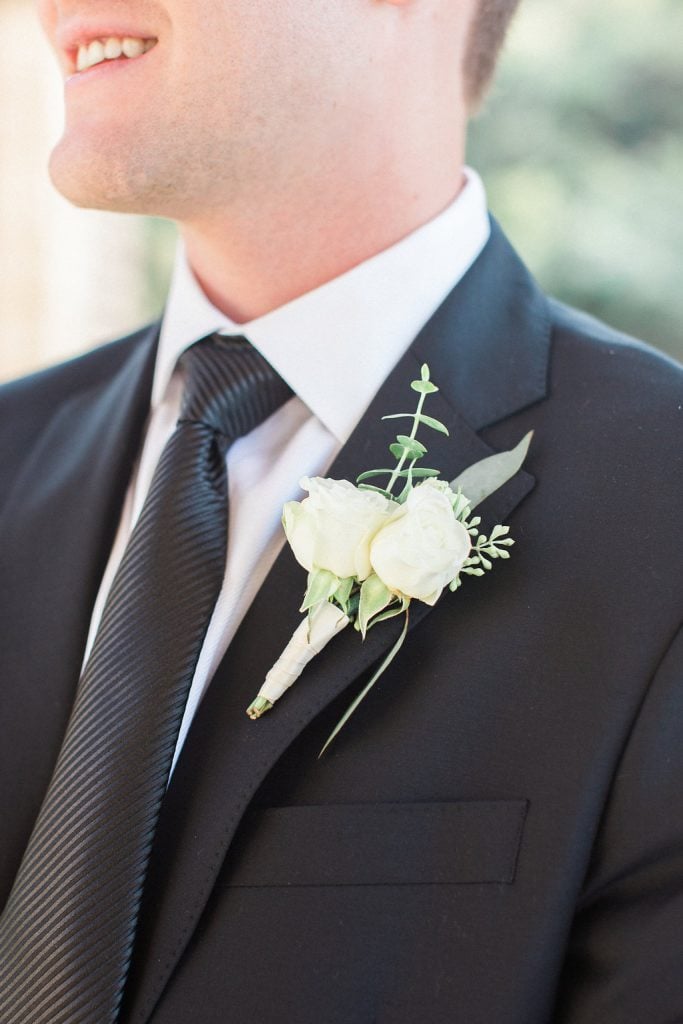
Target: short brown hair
(486,35)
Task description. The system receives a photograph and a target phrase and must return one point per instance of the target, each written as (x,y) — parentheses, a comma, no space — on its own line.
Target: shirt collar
(336,345)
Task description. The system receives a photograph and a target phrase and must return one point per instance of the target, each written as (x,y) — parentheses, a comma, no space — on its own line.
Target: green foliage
(428,421)
(485,549)
(486,476)
(581,149)
(375,597)
(322,584)
(342,595)
(407,447)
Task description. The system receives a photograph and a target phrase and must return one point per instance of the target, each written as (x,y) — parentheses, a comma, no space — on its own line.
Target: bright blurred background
(580,145)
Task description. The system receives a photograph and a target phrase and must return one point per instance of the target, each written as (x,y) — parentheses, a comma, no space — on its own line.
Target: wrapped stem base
(309,638)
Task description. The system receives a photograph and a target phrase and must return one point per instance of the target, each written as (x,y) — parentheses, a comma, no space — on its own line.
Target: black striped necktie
(67,932)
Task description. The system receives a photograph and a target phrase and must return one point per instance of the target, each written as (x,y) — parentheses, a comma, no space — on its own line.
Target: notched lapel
(226,755)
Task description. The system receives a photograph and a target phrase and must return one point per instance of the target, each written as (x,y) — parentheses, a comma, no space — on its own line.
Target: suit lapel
(61,517)
(487,347)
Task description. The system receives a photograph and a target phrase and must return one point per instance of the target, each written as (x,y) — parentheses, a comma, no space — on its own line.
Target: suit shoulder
(613,426)
(61,381)
(29,403)
(630,377)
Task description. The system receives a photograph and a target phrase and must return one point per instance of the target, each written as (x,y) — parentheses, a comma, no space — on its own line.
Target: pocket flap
(457,842)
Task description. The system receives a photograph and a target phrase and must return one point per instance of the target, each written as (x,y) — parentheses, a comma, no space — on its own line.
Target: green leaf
(415,450)
(423,387)
(461,508)
(372,472)
(407,446)
(354,601)
(424,371)
(403,473)
(377,490)
(499,531)
(354,704)
(428,421)
(343,593)
(485,477)
(374,598)
(411,442)
(390,613)
(418,472)
(321,586)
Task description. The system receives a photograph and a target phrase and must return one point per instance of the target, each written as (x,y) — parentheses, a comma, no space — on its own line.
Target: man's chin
(95,180)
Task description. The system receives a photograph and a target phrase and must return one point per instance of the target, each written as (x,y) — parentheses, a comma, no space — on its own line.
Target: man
(496,835)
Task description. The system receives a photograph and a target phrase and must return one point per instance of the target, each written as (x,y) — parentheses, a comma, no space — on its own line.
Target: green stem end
(258,707)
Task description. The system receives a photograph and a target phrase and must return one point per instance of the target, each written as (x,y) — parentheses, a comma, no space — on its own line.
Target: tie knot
(229,386)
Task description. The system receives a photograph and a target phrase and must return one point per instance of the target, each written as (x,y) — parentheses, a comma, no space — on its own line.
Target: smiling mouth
(89,55)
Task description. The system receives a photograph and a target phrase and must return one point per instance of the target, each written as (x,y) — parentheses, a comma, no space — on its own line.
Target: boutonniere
(370,551)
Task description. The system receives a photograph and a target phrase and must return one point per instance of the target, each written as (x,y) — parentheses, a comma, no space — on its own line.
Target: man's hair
(486,36)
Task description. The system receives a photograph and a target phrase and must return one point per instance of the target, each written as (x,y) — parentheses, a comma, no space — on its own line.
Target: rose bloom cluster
(416,548)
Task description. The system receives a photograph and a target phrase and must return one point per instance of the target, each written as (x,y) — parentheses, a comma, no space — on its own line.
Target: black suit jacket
(496,836)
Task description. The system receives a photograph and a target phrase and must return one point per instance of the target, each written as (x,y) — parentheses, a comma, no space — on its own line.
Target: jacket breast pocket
(447,843)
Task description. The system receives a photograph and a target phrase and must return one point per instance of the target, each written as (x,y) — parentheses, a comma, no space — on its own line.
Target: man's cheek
(47,15)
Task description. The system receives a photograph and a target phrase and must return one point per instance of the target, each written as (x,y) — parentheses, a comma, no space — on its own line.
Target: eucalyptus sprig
(406,447)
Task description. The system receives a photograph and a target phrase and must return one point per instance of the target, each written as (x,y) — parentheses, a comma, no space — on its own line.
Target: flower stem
(258,707)
(354,704)
(413,432)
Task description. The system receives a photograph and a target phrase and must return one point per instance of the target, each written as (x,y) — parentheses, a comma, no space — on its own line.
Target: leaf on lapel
(477,482)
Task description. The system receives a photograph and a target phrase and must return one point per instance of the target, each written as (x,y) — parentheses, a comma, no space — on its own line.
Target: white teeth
(111,49)
(95,53)
(133,47)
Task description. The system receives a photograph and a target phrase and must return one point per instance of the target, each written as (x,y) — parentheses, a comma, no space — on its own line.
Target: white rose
(423,546)
(333,527)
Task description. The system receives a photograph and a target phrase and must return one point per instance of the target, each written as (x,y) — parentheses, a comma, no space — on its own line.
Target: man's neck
(248,264)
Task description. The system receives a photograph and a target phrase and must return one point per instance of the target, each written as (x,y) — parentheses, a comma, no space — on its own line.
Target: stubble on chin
(150,178)
(102,179)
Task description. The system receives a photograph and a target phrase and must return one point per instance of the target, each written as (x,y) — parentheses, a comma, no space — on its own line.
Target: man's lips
(84,45)
(102,51)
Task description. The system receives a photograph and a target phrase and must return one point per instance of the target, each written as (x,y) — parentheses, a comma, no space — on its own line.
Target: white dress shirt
(334,346)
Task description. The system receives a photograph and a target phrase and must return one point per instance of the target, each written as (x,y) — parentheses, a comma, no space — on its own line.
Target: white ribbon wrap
(308,639)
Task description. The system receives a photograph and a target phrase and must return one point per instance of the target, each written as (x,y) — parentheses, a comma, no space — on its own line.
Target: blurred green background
(581,149)
(580,146)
